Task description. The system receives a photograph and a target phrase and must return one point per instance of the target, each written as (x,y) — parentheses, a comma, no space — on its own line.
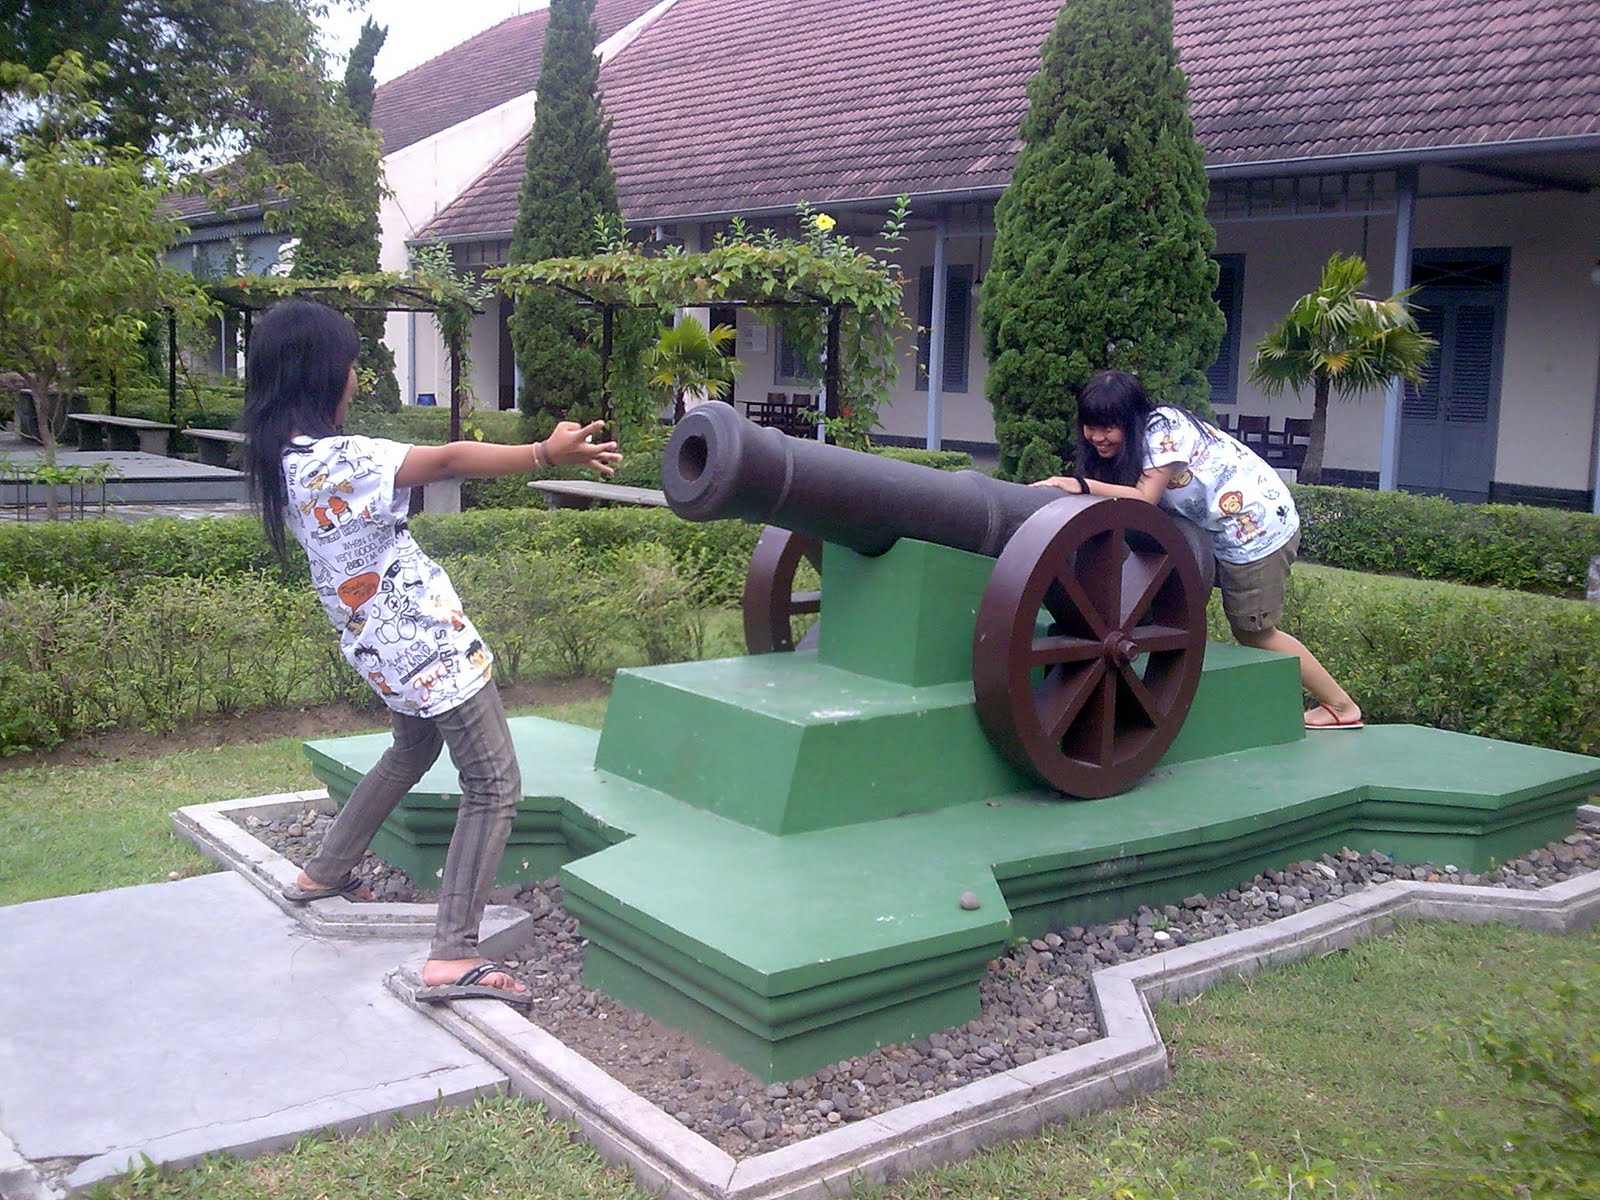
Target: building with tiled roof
(1459,139)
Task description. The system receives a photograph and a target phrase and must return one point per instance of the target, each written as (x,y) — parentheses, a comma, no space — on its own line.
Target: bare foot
(1329,716)
(439,972)
(306,883)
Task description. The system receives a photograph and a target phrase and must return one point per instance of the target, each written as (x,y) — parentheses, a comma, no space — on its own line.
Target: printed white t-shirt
(399,619)
(1222,486)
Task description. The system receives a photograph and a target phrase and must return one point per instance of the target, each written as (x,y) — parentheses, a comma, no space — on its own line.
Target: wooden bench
(124,433)
(218,447)
(581,493)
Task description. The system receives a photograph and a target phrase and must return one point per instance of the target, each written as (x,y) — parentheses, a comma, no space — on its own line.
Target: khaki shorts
(1252,592)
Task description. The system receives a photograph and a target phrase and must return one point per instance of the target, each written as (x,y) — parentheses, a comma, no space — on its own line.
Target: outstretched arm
(567,446)
(1149,488)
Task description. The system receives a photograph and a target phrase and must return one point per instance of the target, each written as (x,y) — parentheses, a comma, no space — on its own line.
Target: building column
(1405,203)
(941,235)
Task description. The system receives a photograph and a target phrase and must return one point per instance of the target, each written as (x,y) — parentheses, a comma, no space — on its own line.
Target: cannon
(1088,639)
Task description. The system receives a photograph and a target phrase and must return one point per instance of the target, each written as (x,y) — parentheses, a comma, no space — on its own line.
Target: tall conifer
(568,182)
(1102,248)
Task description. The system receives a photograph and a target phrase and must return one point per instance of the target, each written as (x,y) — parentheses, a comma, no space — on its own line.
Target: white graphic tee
(399,620)
(1222,486)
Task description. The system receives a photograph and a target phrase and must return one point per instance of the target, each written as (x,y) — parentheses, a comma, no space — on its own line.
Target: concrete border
(668,1159)
(215,832)
(1130,1059)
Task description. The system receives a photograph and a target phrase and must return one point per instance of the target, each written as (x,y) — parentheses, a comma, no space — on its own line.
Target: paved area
(181,1019)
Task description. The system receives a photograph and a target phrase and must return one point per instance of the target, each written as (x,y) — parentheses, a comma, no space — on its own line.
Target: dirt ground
(266,724)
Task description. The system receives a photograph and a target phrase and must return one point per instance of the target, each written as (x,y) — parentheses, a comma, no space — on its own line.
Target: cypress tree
(338,229)
(1102,248)
(568,183)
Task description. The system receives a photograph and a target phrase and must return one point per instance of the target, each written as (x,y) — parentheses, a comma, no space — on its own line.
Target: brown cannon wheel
(770,601)
(1088,643)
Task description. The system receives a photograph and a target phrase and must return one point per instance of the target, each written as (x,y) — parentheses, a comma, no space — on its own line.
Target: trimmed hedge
(1499,664)
(73,660)
(1497,545)
(105,551)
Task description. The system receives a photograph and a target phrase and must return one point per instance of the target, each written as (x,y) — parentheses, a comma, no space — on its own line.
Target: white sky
(418,29)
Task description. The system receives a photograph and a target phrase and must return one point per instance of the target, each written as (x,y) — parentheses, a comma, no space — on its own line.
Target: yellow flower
(824,222)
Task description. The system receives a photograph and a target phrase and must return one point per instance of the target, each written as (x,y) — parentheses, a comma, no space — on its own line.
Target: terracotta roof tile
(481,73)
(829,100)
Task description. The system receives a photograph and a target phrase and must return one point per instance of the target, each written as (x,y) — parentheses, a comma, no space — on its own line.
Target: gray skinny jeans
(491,788)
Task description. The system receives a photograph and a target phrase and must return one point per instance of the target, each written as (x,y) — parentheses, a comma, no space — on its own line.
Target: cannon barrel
(721,465)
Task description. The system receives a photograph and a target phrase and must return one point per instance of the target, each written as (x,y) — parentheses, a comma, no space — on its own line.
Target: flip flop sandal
(295,894)
(1338,722)
(468,987)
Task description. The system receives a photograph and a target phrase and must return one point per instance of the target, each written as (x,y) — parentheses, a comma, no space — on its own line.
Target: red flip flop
(1338,722)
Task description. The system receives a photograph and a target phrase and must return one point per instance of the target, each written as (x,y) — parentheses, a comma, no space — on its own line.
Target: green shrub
(1497,545)
(1503,665)
(429,425)
(658,597)
(108,551)
(94,552)
(940,460)
(1543,1054)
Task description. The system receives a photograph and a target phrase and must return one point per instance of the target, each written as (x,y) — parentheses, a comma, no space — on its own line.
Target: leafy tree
(1337,340)
(336,219)
(568,184)
(360,85)
(81,277)
(691,358)
(182,76)
(1102,248)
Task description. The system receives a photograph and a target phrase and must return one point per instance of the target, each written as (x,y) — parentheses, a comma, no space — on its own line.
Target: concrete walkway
(181,1019)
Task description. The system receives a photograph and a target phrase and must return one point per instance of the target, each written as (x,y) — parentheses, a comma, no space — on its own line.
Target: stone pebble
(1034,999)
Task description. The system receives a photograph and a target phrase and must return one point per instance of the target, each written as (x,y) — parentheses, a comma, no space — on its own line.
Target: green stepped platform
(788,952)
(770,852)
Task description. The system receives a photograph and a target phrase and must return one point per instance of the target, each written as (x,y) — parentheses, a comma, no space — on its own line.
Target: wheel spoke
(1060,700)
(1097,570)
(1152,639)
(1092,738)
(1060,648)
(1074,609)
(1142,695)
(1143,577)
(805,602)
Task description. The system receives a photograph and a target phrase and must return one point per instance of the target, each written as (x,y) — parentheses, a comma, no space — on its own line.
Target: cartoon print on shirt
(1181,480)
(398,618)
(367,661)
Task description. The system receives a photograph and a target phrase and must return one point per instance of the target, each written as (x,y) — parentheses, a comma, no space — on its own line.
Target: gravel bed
(1035,999)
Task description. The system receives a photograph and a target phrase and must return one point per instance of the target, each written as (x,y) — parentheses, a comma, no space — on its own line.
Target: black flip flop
(295,894)
(467,987)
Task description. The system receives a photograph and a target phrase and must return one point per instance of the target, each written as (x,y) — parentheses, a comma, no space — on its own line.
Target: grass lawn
(72,829)
(1337,1078)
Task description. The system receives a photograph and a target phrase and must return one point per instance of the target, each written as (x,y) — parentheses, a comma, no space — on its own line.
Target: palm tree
(689,358)
(1337,339)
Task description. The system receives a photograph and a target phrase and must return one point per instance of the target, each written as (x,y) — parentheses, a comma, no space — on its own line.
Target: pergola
(763,274)
(252,294)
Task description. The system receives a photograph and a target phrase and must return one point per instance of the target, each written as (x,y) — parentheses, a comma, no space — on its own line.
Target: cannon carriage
(1088,639)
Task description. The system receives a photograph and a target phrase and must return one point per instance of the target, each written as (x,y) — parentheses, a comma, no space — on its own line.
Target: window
(1223,375)
(790,368)
(957,327)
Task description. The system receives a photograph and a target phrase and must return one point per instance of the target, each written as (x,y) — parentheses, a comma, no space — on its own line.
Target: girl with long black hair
(1165,455)
(346,498)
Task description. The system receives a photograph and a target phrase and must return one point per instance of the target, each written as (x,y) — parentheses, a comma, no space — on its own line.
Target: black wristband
(1083,485)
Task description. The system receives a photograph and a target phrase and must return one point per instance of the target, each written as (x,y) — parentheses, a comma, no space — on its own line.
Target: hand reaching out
(572,445)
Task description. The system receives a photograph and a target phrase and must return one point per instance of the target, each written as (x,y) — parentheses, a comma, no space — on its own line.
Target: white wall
(423,178)
(1546,431)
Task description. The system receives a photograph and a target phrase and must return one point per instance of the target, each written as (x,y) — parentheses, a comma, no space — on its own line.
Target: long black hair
(1115,398)
(295,374)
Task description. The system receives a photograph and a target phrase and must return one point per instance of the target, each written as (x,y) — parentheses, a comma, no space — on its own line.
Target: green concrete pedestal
(770,853)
